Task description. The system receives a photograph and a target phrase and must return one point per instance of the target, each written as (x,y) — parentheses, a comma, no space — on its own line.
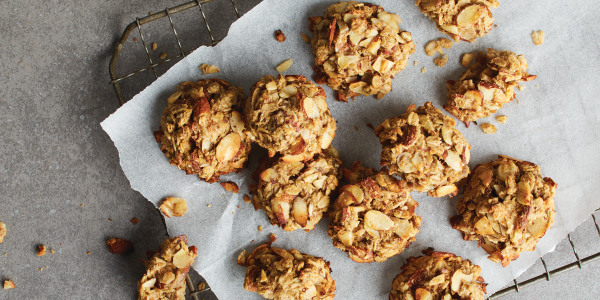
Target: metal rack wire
(117,79)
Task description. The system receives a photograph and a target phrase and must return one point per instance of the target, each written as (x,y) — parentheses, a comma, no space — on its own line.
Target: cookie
(358,49)
(276,273)
(289,115)
(438,275)
(424,148)
(202,130)
(486,85)
(507,206)
(374,218)
(295,195)
(464,20)
(166,270)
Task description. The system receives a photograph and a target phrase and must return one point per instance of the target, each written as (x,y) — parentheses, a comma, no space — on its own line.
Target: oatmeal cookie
(358,49)
(166,270)
(507,206)
(202,129)
(289,115)
(276,273)
(438,275)
(486,85)
(373,219)
(460,19)
(424,148)
(295,195)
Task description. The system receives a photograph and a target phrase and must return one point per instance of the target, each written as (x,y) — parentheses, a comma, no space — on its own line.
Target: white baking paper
(554,123)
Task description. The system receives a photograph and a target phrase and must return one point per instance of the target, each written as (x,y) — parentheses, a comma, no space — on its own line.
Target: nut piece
(2,232)
(358,49)
(172,206)
(9,284)
(438,275)
(437,46)
(285,65)
(441,60)
(209,69)
(488,128)
(501,119)
(537,37)
(276,273)
(41,250)
(279,36)
(230,187)
(119,246)
(507,207)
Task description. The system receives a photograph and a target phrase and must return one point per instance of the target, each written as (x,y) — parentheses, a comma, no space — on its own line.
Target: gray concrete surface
(60,180)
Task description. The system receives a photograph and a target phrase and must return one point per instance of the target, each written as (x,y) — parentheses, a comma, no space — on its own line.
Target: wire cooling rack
(154,62)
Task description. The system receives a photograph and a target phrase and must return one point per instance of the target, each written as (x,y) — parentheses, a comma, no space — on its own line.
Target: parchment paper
(554,123)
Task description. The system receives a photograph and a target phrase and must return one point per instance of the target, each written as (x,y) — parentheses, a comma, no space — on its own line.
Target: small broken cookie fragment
(119,246)
(462,19)
(501,119)
(202,130)
(358,49)
(507,207)
(295,195)
(537,37)
(424,147)
(467,59)
(166,270)
(289,115)
(41,250)
(209,69)
(2,232)
(279,36)
(277,273)
(488,128)
(9,284)
(438,275)
(173,206)
(437,46)
(230,187)
(441,60)
(486,85)
(373,218)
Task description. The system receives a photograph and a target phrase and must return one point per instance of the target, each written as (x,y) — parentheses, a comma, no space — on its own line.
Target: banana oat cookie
(424,148)
(166,270)
(276,273)
(438,275)
(289,115)
(461,19)
(202,130)
(486,85)
(358,49)
(374,218)
(295,195)
(507,206)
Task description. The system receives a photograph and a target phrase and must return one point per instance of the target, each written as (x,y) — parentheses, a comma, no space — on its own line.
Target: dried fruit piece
(488,128)
(507,206)
(230,187)
(9,284)
(438,275)
(119,246)
(279,36)
(41,250)
(538,37)
(228,147)
(284,65)
(173,206)
(209,69)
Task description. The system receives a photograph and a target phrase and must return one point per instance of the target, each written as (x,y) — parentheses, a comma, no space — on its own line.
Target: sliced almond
(174,97)
(346,60)
(538,227)
(453,160)
(378,220)
(447,134)
(450,28)
(356,192)
(146,285)
(300,211)
(484,227)
(268,175)
(402,228)
(327,138)
(346,237)
(469,15)
(182,259)
(310,108)
(173,207)
(374,46)
(457,278)
(281,209)
(288,91)
(445,190)
(537,37)
(488,128)
(467,59)
(209,69)
(285,65)
(228,147)
(237,121)
(437,279)
(423,294)
(524,192)
(501,119)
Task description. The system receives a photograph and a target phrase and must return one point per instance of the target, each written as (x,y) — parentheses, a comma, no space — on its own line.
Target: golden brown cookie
(289,115)
(438,275)
(276,273)
(486,85)
(358,49)
(202,130)
(295,195)
(424,148)
(166,270)
(461,19)
(374,218)
(507,206)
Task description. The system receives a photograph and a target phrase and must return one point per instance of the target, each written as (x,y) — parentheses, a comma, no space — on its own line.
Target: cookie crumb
(488,128)
(416,62)
(230,187)
(423,70)
(119,246)
(370,125)
(279,36)
(247,198)
(305,38)
(437,46)
(201,286)
(172,206)
(501,119)
(284,65)
(154,46)
(163,55)
(467,59)
(134,220)
(41,250)
(208,205)
(9,284)
(272,237)
(135,40)
(356,128)
(110,219)
(209,69)
(520,87)
(2,232)
(441,60)
(538,37)
(259,228)
(82,205)
(51,251)
(89,252)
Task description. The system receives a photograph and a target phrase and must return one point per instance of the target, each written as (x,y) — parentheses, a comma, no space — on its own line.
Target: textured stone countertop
(60,180)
